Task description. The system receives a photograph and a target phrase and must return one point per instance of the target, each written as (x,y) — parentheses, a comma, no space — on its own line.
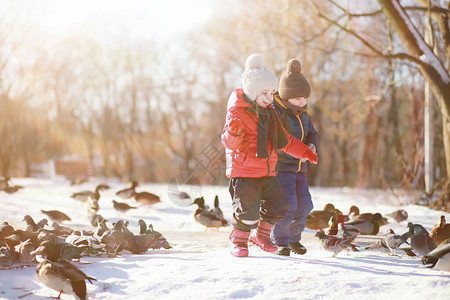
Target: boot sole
(256,244)
(299,253)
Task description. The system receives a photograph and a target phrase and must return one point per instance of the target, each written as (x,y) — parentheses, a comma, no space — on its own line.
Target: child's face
(264,98)
(299,101)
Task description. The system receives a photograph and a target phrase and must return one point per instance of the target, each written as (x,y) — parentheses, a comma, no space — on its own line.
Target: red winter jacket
(241,150)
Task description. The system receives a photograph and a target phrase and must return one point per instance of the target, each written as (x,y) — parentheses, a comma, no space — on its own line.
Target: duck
(365,226)
(319,219)
(335,244)
(354,214)
(63,277)
(216,210)
(441,231)
(439,258)
(333,227)
(206,217)
(146,198)
(56,215)
(113,239)
(398,215)
(122,207)
(421,242)
(85,195)
(128,192)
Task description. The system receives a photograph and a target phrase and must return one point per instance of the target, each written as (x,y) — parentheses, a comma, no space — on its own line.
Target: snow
(200,265)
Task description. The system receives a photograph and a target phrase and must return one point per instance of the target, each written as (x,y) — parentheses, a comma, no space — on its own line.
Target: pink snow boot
(239,239)
(261,237)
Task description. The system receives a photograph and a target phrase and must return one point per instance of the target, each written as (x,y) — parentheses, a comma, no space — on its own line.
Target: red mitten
(236,127)
(311,156)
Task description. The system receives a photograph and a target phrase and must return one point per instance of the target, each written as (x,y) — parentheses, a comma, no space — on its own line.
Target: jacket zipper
(301,140)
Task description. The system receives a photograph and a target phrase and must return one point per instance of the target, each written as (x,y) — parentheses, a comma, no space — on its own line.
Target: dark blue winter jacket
(299,126)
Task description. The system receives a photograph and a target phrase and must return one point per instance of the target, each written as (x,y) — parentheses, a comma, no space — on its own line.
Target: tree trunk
(431,69)
(370,147)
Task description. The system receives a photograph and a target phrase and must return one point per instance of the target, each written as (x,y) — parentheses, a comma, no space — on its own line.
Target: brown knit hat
(293,83)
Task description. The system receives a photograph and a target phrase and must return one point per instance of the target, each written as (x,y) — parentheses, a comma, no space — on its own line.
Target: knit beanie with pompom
(293,83)
(257,77)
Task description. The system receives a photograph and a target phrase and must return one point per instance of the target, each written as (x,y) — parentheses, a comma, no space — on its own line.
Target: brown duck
(63,277)
(56,215)
(128,192)
(85,195)
(146,198)
(122,207)
(319,219)
(206,217)
(441,231)
(365,226)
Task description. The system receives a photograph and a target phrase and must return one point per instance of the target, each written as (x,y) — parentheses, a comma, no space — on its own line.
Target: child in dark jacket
(252,135)
(291,104)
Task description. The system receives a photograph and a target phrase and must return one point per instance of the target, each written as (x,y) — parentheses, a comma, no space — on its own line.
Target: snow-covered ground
(200,265)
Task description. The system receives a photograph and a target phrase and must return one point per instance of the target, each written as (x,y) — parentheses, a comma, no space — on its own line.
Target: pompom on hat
(293,83)
(257,77)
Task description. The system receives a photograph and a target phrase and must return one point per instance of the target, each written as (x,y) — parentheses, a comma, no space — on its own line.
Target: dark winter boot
(283,250)
(239,239)
(298,248)
(261,237)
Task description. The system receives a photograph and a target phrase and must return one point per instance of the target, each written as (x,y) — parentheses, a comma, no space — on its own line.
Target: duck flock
(342,230)
(53,248)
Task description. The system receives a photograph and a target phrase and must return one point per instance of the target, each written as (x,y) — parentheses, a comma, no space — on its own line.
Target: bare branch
(320,33)
(436,10)
(351,32)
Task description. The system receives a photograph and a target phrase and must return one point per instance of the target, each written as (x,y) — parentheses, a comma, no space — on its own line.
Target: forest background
(149,106)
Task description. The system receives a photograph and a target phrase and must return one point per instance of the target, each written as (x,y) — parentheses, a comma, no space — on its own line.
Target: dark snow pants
(290,228)
(256,199)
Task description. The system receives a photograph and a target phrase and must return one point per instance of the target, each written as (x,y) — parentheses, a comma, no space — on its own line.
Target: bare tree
(419,53)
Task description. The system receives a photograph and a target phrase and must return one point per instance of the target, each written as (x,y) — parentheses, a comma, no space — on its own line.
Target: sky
(100,19)
(200,265)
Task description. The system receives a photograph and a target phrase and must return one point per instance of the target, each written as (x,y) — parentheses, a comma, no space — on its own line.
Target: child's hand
(236,127)
(313,149)
(311,156)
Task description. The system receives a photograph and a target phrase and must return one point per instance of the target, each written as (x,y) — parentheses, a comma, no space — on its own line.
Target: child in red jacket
(252,134)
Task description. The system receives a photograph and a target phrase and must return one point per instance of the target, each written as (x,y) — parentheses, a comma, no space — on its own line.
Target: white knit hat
(257,77)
